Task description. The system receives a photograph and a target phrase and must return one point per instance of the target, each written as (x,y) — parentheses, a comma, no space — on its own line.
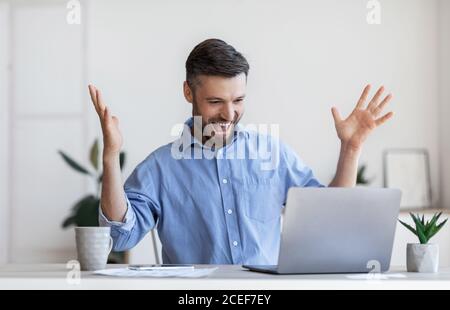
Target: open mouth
(221,128)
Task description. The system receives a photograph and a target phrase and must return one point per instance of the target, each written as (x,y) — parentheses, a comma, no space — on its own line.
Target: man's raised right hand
(112,137)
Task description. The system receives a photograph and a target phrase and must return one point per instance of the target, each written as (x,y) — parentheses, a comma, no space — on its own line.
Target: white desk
(53,276)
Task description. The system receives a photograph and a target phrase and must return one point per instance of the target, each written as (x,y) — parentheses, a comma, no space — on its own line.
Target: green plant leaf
(431,225)
(409,227)
(432,231)
(116,258)
(87,214)
(422,238)
(428,227)
(85,200)
(442,224)
(68,222)
(122,158)
(360,178)
(435,218)
(437,229)
(420,229)
(93,154)
(73,163)
(417,221)
(84,212)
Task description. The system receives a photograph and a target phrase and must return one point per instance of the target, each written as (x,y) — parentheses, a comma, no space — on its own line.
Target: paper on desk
(376,276)
(179,273)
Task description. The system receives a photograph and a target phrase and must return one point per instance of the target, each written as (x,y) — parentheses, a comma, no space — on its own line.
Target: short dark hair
(214,57)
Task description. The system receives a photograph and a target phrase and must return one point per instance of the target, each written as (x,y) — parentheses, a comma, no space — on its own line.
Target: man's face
(220,103)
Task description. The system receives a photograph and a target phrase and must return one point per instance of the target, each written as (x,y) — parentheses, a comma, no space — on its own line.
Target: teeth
(224,124)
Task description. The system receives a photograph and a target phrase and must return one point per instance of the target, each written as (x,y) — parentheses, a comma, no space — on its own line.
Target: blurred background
(305,57)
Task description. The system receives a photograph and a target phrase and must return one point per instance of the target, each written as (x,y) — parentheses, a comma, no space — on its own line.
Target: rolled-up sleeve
(143,207)
(126,225)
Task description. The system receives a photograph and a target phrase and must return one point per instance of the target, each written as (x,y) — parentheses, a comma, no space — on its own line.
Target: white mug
(93,246)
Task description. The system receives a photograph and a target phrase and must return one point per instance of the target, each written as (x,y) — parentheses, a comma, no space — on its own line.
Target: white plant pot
(422,257)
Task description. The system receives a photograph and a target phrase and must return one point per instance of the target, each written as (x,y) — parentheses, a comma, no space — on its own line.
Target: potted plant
(423,256)
(85,211)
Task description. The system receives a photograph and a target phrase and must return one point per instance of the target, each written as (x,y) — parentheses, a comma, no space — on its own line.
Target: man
(217,209)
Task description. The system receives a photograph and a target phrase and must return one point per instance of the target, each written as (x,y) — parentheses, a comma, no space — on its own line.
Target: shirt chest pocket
(261,200)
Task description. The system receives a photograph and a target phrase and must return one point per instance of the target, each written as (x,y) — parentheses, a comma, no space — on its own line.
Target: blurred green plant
(361,178)
(85,211)
(425,230)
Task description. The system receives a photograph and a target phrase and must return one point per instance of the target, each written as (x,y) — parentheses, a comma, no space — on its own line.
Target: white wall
(445,100)
(4,131)
(48,115)
(305,56)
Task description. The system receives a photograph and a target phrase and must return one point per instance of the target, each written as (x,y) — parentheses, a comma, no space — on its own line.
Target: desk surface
(232,277)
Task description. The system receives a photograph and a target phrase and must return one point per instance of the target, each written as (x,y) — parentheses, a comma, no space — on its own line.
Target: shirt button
(230,211)
(225,181)
(235,243)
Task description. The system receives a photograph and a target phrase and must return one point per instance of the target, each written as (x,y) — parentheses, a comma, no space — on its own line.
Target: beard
(214,130)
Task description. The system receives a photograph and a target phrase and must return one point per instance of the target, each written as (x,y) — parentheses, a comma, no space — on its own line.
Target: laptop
(336,230)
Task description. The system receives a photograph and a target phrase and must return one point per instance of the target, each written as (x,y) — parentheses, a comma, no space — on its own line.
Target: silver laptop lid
(338,230)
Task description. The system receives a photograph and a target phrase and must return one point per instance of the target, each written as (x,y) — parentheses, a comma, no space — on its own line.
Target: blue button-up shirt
(220,207)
